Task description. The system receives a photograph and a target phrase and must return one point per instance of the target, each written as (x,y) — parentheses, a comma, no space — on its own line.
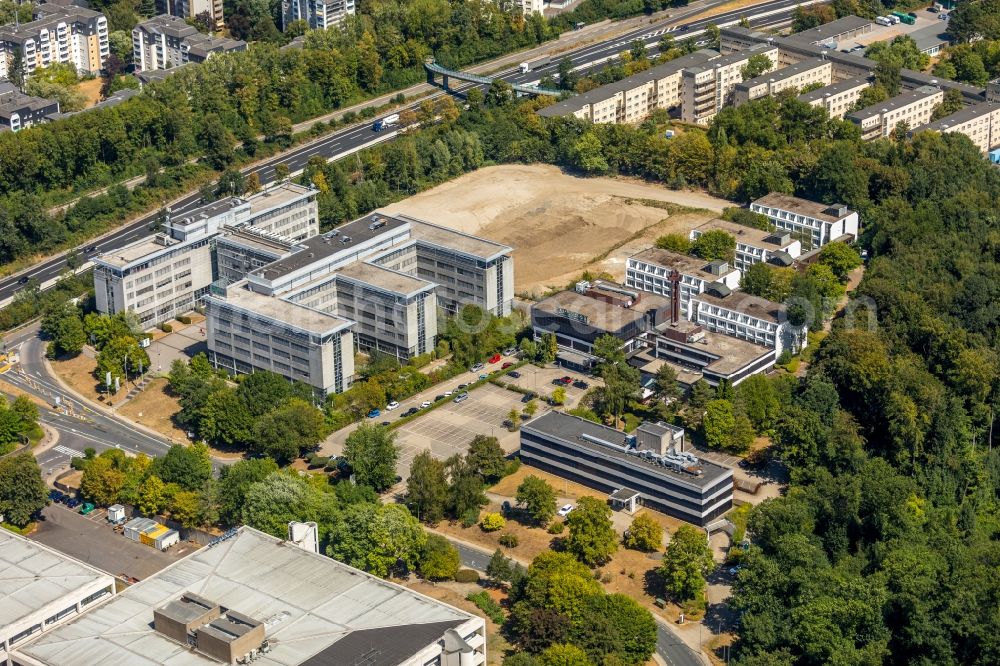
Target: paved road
(350,139)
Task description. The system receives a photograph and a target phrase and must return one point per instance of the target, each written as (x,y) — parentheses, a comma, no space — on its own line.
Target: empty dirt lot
(560,225)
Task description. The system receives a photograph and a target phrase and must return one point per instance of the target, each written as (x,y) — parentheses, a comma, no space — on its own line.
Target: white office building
(754,246)
(814,224)
(747,317)
(650,271)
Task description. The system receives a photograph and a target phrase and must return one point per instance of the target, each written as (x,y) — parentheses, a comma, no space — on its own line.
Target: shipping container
(149,537)
(167,539)
(135,527)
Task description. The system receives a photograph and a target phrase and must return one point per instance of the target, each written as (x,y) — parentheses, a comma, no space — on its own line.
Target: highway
(351,139)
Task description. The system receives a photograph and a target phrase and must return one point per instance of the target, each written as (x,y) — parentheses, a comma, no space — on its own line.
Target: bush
(466,576)
(368,112)
(492,522)
(557,527)
(166,328)
(470,518)
(488,605)
(349,117)
(508,540)
(184,319)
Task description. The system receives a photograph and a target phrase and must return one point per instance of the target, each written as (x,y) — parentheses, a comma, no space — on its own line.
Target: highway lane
(342,142)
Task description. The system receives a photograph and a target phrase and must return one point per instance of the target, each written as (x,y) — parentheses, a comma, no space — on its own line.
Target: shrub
(166,328)
(466,576)
(492,522)
(470,518)
(184,319)
(488,605)
(508,540)
(557,527)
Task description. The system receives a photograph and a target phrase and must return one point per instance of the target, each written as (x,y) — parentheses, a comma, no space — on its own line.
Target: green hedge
(485,603)
(466,576)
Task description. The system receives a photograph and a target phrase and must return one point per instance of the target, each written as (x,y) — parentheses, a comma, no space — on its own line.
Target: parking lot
(540,381)
(92,539)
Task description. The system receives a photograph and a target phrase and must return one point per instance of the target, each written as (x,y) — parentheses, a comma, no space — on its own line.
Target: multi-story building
(18,110)
(319,14)
(838,98)
(166,42)
(830,34)
(166,275)
(189,9)
(254,598)
(707,88)
(981,123)
(797,76)
(910,109)
(577,318)
(754,246)
(42,590)
(530,7)
(747,317)
(812,223)
(651,270)
(674,482)
(71,35)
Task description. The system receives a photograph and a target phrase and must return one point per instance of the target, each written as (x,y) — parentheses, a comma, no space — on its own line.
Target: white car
(447,394)
(565,510)
(425,404)
(391,406)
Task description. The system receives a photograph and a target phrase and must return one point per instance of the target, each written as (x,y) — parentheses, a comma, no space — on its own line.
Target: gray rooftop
(682,262)
(315,610)
(731,58)
(33,576)
(832,30)
(815,209)
(748,235)
(931,36)
(600,314)
(897,102)
(784,73)
(748,304)
(282,312)
(835,89)
(569,428)
(478,248)
(962,116)
(381,278)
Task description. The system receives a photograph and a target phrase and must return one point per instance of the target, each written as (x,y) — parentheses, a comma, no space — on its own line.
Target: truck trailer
(385,123)
(532,65)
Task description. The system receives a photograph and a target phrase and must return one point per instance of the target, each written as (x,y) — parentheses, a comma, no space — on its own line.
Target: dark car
(580,384)
(462,387)
(72,502)
(528,397)
(23,280)
(514,374)
(410,412)
(439,398)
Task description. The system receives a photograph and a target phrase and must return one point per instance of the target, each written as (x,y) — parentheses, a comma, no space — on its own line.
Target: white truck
(386,123)
(532,65)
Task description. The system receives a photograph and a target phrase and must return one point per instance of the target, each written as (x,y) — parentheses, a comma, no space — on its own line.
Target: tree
(678,243)
(492,522)
(887,74)
(726,428)
(687,560)
(559,395)
(26,410)
(187,466)
(104,478)
(621,385)
(715,244)
(592,537)
(587,155)
(840,257)
(64,328)
(614,628)
(951,103)
(644,534)
(568,77)
(487,458)
(281,171)
(283,434)
(15,69)
(439,559)
(665,384)
(538,498)
(500,569)
(372,453)
(608,349)
(22,490)
(380,538)
(563,655)
(234,482)
(465,490)
(756,65)
(499,94)
(757,280)
(122,357)
(427,487)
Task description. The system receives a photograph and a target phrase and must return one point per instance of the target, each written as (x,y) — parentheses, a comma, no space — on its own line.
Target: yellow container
(149,538)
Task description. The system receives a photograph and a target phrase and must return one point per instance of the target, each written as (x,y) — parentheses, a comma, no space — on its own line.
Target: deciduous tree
(592,537)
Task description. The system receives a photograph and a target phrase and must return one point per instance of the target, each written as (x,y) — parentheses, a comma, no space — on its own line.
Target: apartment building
(741,315)
(651,270)
(530,7)
(754,246)
(18,111)
(707,88)
(166,275)
(813,224)
(319,14)
(838,98)
(186,9)
(248,331)
(796,77)
(981,123)
(71,35)
(830,34)
(912,109)
(166,42)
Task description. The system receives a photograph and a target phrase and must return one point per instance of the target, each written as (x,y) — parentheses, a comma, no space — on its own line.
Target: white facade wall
(656,279)
(810,230)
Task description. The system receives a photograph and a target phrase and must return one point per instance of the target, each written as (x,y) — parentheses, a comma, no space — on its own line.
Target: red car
(566,380)
(495,358)
(506,365)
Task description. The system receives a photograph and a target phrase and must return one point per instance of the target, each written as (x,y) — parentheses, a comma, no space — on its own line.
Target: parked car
(528,397)
(375,413)
(425,404)
(510,351)
(391,406)
(439,398)
(385,423)
(580,384)
(410,412)
(943,17)
(477,367)
(447,394)
(461,397)
(495,358)
(86,508)
(567,380)
(506,365)
(72,502)
(514,374)
(462,387)
(484,376)
(564,511)
(54,495)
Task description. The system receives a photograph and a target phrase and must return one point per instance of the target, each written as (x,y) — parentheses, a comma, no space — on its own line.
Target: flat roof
(899,101)
(785,72)
(567,427)
(140,249)
(32,576)
(277,195)
(836,88)
(287,313)
(748,304)
(734,354)
(601,314)
(250,238)
(814,209)
(732,58)
(832,29)
(649,364)
(928,37)
(315,611)
(960,116)
(381,278)
(748,235)
(682,262)
(473,246)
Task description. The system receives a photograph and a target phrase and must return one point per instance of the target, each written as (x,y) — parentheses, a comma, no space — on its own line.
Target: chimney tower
(675,296)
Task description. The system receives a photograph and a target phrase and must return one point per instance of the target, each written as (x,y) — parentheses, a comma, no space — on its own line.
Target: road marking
(72,453)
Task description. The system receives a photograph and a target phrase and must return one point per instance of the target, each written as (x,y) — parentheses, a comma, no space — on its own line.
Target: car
(54,494)
(580,384)
(507,423)
(514,374)
(425,404)
(92,249)
(943,17)
(72,502)
(683,28)
(86,508)
(439,398)
(461,387)
(375,413)
(506,365)
(528,397)
(391,406)
(410,412)
(510,351)
(461,397)
(477,367)
(484,376)
(564,511)
(913,14)
(566,381)
(385,423)
(495,358)
(23,280)
(447,394)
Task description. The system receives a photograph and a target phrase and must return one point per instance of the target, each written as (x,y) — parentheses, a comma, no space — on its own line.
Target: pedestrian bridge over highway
(434,69)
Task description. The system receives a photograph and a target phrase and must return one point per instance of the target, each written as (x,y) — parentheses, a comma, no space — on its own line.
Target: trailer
(905,18)
(532,65)
(167,539)
(148,537)
(135,527)
(385,123)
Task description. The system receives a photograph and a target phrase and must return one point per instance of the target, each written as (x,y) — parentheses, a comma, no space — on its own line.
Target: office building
(18,111)
(796,77)
(838,98)
(754,246)
(318,14)
(251,597)
(71,35)
(652,271)
(981,123)
(41,589)
(910,109)
(577,318)
(668,480)
(165,42)
(166,275)
(189,9)
(707,88)
(813,224)
(741,315)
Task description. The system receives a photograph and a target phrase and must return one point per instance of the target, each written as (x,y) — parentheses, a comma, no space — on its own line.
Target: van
(893,18)
(377,224)
(881,20)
